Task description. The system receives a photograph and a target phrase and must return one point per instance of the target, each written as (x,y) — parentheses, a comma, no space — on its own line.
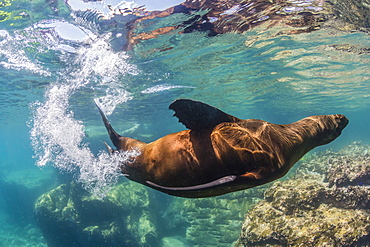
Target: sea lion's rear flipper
(196,115)
(110,150)
(112,134)
(221,181)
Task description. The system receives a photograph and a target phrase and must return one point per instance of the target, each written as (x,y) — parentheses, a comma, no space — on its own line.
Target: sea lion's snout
(333,126)
(342,122)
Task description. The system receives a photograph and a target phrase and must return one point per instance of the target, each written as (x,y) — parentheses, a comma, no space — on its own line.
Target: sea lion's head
(329,127)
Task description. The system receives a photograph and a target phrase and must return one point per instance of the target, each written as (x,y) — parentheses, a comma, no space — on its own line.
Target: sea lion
(221,153)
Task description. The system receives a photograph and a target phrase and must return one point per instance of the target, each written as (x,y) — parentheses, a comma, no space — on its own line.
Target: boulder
(319,208)
(69,216)
(350,169)
(19,188)
(265,225)
(210,221)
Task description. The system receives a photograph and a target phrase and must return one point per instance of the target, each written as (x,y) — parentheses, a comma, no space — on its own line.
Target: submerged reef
(133,215)
(210,221)
(69,216)
(19,188)
(326,203)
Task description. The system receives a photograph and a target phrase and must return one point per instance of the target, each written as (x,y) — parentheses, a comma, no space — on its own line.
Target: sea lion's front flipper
(196,115)
(217,182)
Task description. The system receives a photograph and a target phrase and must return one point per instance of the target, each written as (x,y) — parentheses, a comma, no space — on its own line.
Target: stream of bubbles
(58,137)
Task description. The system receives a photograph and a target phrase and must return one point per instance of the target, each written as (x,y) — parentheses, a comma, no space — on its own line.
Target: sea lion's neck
(310,132)
(300,137)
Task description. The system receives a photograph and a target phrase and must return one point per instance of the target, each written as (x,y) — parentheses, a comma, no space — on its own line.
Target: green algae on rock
(128,216)
(310,208)
(211,221)
(302,213)
(324,226)
(69,216)
(173,242)
(350,167)
(313,209)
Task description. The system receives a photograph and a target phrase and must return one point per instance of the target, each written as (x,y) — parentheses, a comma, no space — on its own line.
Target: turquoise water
(54,61)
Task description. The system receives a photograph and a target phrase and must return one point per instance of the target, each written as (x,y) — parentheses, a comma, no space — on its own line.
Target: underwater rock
(210,221)
(23,236)
(69,216)
(352,197)
(20,188)
(31,178)
(314,165)
(350,167)
(308,211)
(324,226)
(173,242)
(295,195)
(305,194)
(303,213)
(345,171)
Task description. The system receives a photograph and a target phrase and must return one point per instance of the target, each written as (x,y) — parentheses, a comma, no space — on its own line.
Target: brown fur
(248,152)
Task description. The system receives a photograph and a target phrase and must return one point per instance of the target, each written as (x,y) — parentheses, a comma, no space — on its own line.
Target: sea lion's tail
(114,136)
